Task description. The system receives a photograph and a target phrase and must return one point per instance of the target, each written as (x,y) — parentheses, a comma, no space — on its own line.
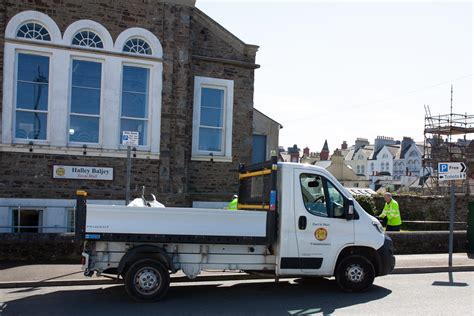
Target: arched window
(413,154)
(416,166)
(362,169)
(358,169)
(384,156)
(87,39)
(137,46)
(32,30)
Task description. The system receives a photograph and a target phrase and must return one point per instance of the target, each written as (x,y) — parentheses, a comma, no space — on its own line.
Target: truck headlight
(379,227)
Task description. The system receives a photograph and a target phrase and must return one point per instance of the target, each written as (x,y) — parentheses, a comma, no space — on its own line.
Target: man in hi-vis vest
(233,204)
(391,211)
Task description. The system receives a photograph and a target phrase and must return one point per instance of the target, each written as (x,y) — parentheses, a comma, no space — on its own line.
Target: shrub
(367,203)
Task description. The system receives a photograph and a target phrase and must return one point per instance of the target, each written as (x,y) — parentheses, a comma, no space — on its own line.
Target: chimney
(344,145)
(381,141)
(406,143)
(325,152)
(294,153)
(306,152)
(361,142)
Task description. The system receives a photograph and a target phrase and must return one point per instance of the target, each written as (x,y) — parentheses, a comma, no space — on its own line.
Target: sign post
(450,171)
(129,139)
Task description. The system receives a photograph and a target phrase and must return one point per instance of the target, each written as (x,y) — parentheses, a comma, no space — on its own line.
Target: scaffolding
(445,140)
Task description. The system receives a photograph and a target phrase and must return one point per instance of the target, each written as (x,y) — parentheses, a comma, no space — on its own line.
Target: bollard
(470,227)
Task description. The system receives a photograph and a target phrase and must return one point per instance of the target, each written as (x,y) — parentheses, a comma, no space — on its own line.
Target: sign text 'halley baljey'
(83,172)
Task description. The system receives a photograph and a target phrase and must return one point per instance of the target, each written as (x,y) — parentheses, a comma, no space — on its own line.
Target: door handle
(302,222)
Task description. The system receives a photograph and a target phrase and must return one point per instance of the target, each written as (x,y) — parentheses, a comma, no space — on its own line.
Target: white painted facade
(61,53)
(54,213)
(384,161)
(360,163)
(227,86)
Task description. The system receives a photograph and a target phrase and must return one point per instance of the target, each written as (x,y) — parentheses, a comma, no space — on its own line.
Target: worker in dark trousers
(392,212)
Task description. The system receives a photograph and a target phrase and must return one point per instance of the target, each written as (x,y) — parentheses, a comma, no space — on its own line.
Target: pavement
(41,275)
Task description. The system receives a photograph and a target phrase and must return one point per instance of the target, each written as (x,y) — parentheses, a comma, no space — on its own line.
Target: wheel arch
(145,252)
(367,252)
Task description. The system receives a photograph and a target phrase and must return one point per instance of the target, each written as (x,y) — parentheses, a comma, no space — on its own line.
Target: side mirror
(349,210)
(313,184)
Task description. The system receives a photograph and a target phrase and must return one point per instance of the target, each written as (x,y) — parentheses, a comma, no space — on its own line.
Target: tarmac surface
(40,275)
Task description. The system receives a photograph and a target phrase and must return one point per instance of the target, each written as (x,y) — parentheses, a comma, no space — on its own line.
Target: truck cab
(321,225)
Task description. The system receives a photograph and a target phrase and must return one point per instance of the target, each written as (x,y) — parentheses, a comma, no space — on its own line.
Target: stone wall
(427,242)
(23,179)
(231,60)
(39,248)
(60,248)
(432,208)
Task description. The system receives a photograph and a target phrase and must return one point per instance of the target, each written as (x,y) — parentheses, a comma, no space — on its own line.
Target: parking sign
(451,171)
(443,167)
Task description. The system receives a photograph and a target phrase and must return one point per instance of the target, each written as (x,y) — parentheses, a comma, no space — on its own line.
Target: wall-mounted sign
(82,172)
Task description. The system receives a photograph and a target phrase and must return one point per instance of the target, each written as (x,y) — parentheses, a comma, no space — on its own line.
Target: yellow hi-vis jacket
(392,212)
(233,204)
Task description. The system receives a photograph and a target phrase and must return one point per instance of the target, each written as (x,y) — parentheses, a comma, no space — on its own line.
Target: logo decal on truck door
(321,234)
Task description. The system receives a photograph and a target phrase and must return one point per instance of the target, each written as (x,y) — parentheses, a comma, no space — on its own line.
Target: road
(415,294)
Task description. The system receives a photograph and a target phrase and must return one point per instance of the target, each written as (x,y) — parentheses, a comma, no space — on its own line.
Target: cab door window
(320,196)
(314,197)
(335,201)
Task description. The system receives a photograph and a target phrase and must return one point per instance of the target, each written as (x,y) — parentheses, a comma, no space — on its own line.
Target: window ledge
(75,151)
(214,158)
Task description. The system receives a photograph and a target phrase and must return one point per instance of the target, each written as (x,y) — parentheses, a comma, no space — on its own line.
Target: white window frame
(14,97)
(40,210)
(137,53)
(90,31)
(35,39)
(70,212)
(225,155)
(61,52)
(100,116)
(149,102)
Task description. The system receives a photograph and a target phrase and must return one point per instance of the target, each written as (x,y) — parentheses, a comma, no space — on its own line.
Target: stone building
(77,74)
(265,137)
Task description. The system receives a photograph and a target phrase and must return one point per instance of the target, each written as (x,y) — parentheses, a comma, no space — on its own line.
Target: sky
(343,70)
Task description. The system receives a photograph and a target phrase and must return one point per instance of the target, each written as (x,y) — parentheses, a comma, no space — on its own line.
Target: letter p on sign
(443,167)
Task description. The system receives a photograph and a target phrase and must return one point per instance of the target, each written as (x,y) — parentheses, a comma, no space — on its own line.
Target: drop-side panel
(177,225)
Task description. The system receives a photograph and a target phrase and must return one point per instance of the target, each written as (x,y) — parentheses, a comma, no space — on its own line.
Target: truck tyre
(147,281)
(355,274)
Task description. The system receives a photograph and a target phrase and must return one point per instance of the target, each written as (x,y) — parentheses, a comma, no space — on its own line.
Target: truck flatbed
(178,225)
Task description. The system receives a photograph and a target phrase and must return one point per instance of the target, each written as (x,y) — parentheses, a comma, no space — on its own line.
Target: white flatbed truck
(292,220)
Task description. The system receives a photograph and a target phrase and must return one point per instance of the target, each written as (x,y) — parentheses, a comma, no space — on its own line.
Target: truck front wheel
(355,274)
(147,281)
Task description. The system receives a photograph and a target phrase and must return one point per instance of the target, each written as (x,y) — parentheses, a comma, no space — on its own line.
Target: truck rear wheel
(355,274)
(147,281)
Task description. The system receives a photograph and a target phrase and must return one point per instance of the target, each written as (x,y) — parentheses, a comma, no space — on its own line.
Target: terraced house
(77,74)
